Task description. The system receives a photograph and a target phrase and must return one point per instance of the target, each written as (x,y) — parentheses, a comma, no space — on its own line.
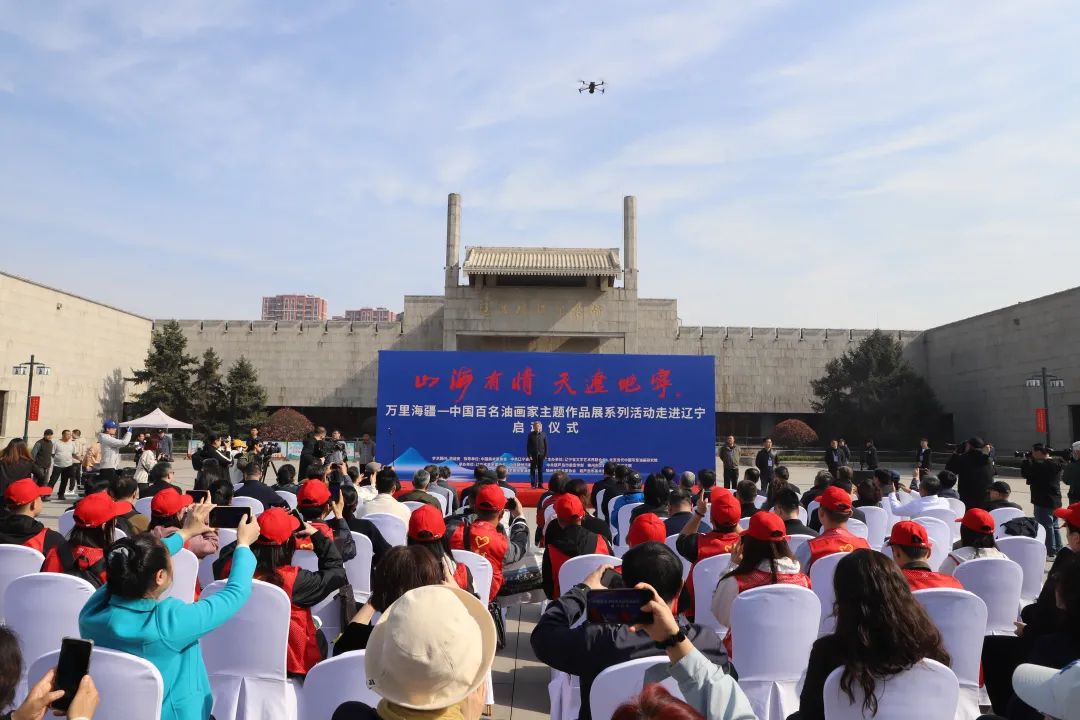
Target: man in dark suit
(537,450)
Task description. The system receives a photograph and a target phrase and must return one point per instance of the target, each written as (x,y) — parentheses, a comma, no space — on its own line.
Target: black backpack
(73,566)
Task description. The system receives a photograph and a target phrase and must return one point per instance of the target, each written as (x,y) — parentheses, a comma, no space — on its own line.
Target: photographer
(975,471)
(1043,475)
(335,450)
(312,450)
(1072,474)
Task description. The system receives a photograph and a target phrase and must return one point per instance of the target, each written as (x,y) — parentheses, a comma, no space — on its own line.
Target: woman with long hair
(869,494)
(167,513)
(16,463)
(427,529)
(881,630)
(146,461)
(286,479)
(210,472)
(379,546)
(976,541)
(84,553)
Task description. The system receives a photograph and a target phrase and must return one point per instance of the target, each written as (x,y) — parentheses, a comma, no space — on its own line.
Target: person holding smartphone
(316,502)
(129,614)
(44,692)
(167,512)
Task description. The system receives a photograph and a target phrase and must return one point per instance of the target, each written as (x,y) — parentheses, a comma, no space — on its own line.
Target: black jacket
(311,451)
(1043,616)
(606,484)
(729,457)
(311,588)
(17,529)
(537,444)
(998,504)
(572,541)
(260,491)
(18,471)
(924,458)
(825,656)
(795,526)
(152,490)
(976,473)
(815,522)
(869,458)
(762,464)
(589,648)
(1044,478)
(659,511)
(834,458)
(1071,477)
(675,523)
(379,546)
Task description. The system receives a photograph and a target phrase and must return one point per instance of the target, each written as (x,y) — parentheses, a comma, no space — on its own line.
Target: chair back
(744,523)
(444,501)
(185,572)
(250,502)
(858,528)
(960,617)
(877,525)
(206,569)
(128,686)
(759,501)
(65,522)
(335,681)
(620,683)
(706,576)
(1030,555)
(306,560)
(1040,532)
(998,582)
(358,570)
(804,517)
(941,539)
(481,570)
(947,516)
(928,691)
(1005,514)
(811,507)
(226,536)
(772,629)
(142,505)
(42,609)
(600,511)
(623,520)
(797,541)
(393,529)
(288,497)
(821,580)
(508,492)
(412,504)
(576,569)
(957,506)
(670,541)
(16,561)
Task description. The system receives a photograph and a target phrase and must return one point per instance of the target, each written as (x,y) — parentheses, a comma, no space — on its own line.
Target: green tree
(209,401)
(871,391)
(166,375)
(247,399)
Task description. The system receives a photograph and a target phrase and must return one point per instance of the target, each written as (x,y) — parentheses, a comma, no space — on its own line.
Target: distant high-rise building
(293,307)
(379,314)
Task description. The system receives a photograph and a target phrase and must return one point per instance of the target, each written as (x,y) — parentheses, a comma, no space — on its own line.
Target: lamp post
(1045,381)
(29,369)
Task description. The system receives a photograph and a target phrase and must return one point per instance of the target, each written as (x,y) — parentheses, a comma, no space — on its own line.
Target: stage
(527,496)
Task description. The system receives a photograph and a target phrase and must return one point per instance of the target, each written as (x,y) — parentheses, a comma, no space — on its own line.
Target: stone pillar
(630,243)
(453,240)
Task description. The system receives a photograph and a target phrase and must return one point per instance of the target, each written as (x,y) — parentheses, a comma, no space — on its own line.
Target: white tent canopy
(156,419)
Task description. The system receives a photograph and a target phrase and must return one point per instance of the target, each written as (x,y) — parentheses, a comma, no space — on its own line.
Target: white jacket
(918,506)
(110,449)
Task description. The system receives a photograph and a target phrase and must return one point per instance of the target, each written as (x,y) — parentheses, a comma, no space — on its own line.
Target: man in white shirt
(63,460)
(386,484)
(110,449)
(81,446)
(928,500)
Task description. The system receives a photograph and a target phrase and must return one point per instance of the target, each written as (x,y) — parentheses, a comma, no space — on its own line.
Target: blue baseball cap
(109,424)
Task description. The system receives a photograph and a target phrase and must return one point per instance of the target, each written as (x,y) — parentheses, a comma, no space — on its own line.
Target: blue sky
(845,164)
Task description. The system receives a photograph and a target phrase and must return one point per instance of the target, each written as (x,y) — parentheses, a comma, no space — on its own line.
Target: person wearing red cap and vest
(315,503)
(84,554)
(483,537)
(834,512)
(279,532)
(976,541)
(427,528)
(724,515)
(167,511)
(646,528)
(571,540)
(19,526)
(910,547)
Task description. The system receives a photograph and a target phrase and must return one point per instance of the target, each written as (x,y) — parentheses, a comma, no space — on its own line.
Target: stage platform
(527,496)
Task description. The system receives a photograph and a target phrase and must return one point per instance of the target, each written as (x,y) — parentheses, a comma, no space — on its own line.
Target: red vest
(923,578)
(486,540)
(37,542)
(303,651)
(557,558)
(461,576)
(835,541)
(304,543)
(708,545)
(757,578)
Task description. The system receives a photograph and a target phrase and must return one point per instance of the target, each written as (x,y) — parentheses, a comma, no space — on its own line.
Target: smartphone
(73,664)
(296,514)
(335,492)
(199,495)
(227,516)
(618,607)
(612,580)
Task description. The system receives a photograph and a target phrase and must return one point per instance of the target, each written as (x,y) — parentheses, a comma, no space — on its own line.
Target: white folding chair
(250,502)
(358,570)
(928,691)
(245,657)
(206,569)
(960,617)
(42,609)
(576,569)
(997,581)
(706,576)
(600,511)
(804,517)
(142,505)
(947,516)
(306,560)
(941,539)
(444,502)
(772,630)
(393,529)
(412,504)
(288,497)
(1030,555)
(858,528)
(480,568)
(744,523)
(65,522)
(797,541)
(226,536)
(876,522)
(335,681)
(15,562)
(811,507)
(508,492)
(759,501)
(1040,532)
(821,580)
(670,541)
(623,523)
(127,686)
(185,568)
(1005,514)
(622,682)
(957,506)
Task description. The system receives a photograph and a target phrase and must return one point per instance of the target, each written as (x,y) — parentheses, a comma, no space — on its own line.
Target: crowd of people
(430,634)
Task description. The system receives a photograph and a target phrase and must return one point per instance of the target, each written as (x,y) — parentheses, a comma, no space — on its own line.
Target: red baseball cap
(490,497)
(568,507)
(1070,514)
(835,499)
(426,523)
(726,509)
(908,533)
(647,527)
(313,493)
(96,509)
(767,527)
(978,520)
(25,491)
(276,526)
(169,502)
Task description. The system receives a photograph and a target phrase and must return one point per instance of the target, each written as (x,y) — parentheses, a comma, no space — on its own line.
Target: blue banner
(463,409)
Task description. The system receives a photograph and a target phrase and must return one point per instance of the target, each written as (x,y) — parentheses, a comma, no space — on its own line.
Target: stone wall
(89,348)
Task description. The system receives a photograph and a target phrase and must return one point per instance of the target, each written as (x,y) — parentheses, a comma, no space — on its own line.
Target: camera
(329,447)
(1065,454)
(270,448)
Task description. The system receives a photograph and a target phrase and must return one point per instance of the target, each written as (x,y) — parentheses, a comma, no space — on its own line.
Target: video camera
(329,447)
(270,448)
(1065,454)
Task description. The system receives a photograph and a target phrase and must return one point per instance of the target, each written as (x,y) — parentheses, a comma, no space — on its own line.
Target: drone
(592,87)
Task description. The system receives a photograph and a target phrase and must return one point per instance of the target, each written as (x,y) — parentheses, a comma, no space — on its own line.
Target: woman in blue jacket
(127,614)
